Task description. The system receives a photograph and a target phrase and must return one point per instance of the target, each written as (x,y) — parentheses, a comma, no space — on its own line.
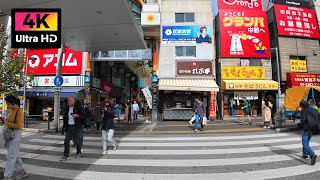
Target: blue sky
(215,7)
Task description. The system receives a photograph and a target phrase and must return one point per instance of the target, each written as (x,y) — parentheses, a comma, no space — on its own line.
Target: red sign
(301,79)
(240,4)
(107,87)
(45,61)
(244,33)
(212,107)
(296,21)
(194,68)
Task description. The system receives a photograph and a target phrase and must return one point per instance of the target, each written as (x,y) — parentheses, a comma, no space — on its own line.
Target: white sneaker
(190,122)
(115,147)
(105,152)
(269,127)
(264,127)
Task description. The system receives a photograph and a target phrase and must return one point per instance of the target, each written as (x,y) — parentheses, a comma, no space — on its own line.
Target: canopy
(188,84)
(295,95)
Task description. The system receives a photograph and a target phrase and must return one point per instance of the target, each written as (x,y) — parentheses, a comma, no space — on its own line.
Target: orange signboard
(240,72)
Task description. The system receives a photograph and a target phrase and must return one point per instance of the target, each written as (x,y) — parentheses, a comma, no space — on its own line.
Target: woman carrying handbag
(12,135)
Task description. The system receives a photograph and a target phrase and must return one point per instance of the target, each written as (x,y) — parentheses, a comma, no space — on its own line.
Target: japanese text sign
(198,68)
(244,33)
(298,66)
(240,4)
(44,61)
(296,21)
(187,34)
(213,102)
(296,79)
(300,3)
(249,85)
(243,72)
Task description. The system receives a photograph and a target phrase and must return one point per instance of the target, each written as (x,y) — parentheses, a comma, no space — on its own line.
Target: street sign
(58,81)
(155,79)
(86,79)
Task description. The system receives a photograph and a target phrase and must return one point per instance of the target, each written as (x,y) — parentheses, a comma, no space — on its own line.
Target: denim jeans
(135,115)
(107,137)
(233,111)
(199,116)
(306,136)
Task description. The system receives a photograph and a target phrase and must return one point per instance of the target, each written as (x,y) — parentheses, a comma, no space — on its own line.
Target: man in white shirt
(135,108)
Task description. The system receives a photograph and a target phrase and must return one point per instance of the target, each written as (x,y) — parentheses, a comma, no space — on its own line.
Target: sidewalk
(169,127)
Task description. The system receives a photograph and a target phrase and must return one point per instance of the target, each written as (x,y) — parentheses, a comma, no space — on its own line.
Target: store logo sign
(36,28)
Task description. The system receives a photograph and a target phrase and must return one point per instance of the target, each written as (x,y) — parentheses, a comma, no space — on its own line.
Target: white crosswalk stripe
(252,156)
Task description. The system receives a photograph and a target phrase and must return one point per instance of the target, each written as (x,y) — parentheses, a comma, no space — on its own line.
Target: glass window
(184,17)
(189,51)
(179,51)
(179,17)
(255,62)
(189,17)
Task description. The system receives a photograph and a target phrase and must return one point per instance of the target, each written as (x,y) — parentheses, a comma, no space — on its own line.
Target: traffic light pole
(57,92)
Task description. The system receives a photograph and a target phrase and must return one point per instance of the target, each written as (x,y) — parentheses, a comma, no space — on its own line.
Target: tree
(11,66)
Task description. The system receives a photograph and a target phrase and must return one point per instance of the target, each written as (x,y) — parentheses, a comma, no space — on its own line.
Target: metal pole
(279,86)
(57,92)
(24,94)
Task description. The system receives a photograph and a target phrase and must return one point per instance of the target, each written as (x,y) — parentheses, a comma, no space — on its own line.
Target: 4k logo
(36,28)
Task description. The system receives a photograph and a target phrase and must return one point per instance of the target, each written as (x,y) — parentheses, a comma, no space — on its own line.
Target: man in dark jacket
(108,128)
(72,123)
(200,113)
(309,123)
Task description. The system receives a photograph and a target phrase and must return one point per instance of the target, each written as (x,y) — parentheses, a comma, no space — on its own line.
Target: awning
(249,85)
(188,84)
(49,92)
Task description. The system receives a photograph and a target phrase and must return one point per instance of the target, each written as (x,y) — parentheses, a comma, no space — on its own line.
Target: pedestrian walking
(129,112)
(98,114)
(72,125)
(135,107)
(14,123)
(108,128)
(267,107)
(118,111)
(246,111)
(200,112)
(310,123)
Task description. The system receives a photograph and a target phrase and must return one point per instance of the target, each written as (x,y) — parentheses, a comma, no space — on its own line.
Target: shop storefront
(244,82)
(177,97)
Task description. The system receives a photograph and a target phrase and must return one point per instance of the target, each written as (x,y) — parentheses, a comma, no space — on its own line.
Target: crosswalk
(249,156)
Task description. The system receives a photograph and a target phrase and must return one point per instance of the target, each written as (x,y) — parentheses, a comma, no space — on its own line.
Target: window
(189,51)
(250,62)
(184,17)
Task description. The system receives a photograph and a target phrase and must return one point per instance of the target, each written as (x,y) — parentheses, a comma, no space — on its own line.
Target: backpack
(313,121)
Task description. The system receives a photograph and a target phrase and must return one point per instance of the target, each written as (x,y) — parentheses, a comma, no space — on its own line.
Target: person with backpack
(310,123)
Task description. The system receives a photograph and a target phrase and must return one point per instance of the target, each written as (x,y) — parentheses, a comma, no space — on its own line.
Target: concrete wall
(203,16)
(298,47)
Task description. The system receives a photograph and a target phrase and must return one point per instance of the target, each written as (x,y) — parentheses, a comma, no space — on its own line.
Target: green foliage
(11,67)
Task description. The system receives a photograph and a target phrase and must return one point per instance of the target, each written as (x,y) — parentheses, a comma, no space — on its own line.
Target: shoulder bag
(8,133)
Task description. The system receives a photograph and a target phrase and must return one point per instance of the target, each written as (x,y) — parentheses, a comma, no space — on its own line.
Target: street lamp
(276,50)
(25,88)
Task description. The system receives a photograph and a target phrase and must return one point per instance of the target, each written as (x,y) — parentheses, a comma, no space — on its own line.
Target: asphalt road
(250,155)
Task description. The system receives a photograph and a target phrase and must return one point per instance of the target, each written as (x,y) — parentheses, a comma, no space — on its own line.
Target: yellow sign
(243,72)
(298,66)
(249,85)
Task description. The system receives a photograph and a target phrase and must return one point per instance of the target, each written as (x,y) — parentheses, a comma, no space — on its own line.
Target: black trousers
(72,132)
(98,125)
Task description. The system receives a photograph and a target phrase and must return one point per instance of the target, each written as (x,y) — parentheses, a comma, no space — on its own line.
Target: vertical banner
(212,105)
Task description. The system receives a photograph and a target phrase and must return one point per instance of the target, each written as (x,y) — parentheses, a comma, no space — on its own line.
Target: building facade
(186,58)
(243,57)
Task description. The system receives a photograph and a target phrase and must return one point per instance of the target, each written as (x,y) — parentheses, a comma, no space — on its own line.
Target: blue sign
(86,79)
(186,34)
(58,81)
(155,79)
